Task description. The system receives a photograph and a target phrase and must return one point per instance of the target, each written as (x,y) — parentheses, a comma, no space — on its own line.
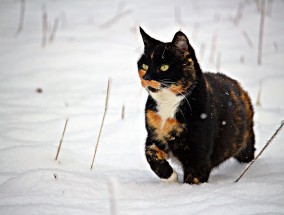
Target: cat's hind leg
(158,163)
(246,155)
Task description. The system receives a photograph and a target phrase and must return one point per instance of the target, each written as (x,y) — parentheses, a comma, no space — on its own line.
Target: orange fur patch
(154,84)
(161,155)
(141,73)
(234,97)
(246,100)
(195,180)
(145,83)
(245,138)
(163,131)
(153,119)
(172,125)
(208,87)
(176,89)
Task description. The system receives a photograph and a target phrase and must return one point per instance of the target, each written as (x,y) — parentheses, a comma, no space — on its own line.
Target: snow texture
(41,86)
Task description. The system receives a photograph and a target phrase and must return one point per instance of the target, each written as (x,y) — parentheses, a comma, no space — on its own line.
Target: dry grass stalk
(61,140)
(178,16)
(258,5)
(239,14)
(44,26)
(260,38)
(120,7)
(123,112)
(242,59)
(269,8)
(102,123)
(202,51)
(213,49)
(63,20)
(275,45)
(22,17)
(249,41)
(262,150)
(258,103)
(115,19)
(218,62)
(54,30)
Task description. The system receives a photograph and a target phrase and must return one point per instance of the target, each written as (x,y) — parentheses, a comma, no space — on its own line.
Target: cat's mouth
(153,90)
(149,85)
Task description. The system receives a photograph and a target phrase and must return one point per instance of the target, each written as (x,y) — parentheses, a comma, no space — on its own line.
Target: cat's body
(202,119)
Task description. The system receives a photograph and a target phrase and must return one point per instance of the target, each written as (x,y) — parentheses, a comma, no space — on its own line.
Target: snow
(203,116)
(97,40)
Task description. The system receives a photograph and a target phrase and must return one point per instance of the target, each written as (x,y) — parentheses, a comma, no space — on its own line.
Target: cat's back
(228,95)
(227,92)
(233,112)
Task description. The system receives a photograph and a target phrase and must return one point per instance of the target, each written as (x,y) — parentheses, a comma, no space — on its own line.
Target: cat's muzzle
(153,90)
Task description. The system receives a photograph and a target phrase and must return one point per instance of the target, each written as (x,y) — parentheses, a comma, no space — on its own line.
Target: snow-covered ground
(96,40)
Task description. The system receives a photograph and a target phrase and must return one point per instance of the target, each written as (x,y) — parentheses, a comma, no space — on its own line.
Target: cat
(199,118)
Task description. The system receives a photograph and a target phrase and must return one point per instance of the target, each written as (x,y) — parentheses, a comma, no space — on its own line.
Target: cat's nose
(147,77)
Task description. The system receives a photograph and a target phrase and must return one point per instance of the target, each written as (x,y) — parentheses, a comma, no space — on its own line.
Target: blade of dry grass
(249,41)
(218,62)
(61,140)
(260,36)
(44,26)
(178,16)
(213,49)
(258,103)
(262,150)
(22,17)
(54,30)
(102,124)
(123,112)
(115,19)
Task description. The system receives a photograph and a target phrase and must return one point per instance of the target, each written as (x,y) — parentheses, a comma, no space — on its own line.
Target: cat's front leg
(158,163)
(196,170)
(196,176)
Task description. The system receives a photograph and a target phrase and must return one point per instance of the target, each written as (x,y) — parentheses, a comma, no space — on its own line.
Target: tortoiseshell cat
(202,119)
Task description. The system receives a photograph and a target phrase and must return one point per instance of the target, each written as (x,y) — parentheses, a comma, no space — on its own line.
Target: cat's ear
(180,41)
(148,41)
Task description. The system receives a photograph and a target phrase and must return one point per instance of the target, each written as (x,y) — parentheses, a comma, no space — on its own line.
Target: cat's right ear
(148,41)
(180,41)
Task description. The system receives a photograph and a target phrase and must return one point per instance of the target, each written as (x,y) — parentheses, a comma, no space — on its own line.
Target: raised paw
(158,163)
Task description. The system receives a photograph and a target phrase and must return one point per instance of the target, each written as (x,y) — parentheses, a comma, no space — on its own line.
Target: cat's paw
(191,180)
(172,178)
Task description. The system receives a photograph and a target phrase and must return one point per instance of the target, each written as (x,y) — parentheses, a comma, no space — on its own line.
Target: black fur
(213,122)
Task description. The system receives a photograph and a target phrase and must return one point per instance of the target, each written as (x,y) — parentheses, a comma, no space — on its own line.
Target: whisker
(163,54)
(168,81)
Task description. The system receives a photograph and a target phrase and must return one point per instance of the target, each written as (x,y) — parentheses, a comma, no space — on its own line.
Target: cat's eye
(145,67)
(164,67)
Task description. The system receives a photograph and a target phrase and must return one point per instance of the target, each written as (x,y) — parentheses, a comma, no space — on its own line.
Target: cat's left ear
(148,41)
(181,42)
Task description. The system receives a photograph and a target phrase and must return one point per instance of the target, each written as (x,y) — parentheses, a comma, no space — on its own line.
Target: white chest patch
(168,103)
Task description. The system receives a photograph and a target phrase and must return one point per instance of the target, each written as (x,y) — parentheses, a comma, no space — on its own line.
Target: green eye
(145,67)
(164,67)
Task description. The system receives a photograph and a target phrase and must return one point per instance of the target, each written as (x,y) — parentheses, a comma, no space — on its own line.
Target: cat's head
(171,65)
